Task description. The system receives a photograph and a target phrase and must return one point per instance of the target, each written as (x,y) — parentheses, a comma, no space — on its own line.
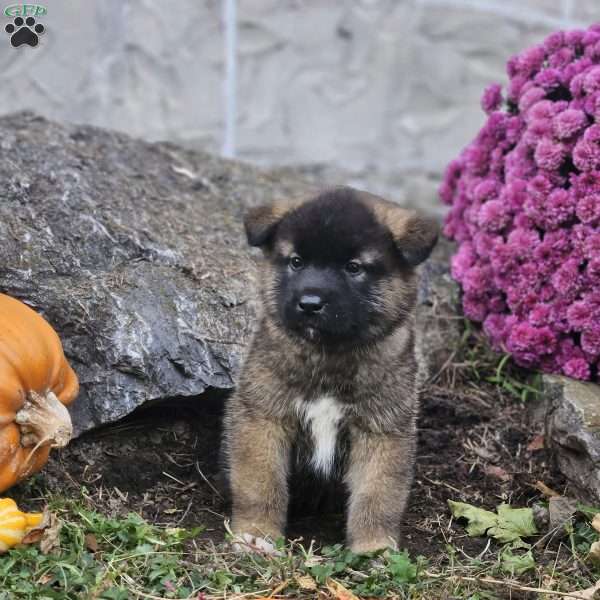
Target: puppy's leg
(379,478)
(258,452)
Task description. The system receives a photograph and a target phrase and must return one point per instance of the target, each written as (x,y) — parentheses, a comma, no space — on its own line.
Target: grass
(100,557)
(480,364)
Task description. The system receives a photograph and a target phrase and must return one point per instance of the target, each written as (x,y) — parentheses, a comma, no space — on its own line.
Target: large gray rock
(135,253)
(573,432)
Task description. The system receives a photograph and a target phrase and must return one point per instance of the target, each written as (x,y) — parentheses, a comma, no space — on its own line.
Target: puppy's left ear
(261,222)
(415,235)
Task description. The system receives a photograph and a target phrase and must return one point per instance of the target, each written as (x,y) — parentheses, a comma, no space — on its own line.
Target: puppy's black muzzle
(311,304)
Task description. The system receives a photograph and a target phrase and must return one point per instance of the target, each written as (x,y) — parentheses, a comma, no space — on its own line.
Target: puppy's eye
(296,262)
(353,267)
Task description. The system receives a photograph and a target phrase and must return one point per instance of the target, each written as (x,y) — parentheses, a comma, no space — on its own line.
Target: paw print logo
(24,31)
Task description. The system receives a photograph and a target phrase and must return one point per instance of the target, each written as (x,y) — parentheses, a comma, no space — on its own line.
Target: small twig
(444,484)
(510,584)
(173,478)
(230,342)
(210,485)
(187,510)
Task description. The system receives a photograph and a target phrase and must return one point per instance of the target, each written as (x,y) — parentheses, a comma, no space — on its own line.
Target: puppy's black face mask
(331,257)
(341,265)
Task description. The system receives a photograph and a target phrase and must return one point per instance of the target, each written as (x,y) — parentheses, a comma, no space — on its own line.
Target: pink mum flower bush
(524,202)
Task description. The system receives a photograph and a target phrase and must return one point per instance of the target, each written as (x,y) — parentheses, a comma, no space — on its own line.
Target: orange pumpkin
(36,383)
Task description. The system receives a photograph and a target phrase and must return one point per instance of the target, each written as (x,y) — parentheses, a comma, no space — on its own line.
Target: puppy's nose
(311,303)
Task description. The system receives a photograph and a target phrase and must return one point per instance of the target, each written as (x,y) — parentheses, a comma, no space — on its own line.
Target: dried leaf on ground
(340,592)
(306,582)
(561,509)
(51,536)
(547,491)
(595,552)
(33,536)
(91,543)
(596,522)
(497,473)
(537,443)
(591,593)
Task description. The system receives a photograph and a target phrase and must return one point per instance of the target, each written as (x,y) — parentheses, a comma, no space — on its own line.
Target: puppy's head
(340,267)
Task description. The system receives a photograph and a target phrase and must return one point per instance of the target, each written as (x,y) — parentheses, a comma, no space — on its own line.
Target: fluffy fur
(332,367)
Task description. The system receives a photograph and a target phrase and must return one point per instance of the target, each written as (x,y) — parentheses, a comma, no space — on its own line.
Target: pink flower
(554,42)
(493,216)
(549,155)
(492,98)
(530,97)
(588,209)
(586,156)
(561,58)
(591,82)
(577,368)
(578,315)
(559,208)
(474,308)
(568,123)
(462,261)
(524,207)
(476,281)
(527,342)
(590,340)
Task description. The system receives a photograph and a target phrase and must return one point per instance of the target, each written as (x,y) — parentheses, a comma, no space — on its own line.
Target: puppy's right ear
(261,222)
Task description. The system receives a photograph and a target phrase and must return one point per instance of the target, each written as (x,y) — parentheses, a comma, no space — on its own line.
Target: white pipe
(230,83)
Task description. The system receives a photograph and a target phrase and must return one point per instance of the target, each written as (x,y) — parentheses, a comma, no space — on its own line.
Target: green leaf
(509,525)
(401,567)
(516,564)
(480,520)
(513,524)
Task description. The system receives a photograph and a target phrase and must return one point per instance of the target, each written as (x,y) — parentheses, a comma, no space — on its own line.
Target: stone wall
(380,92)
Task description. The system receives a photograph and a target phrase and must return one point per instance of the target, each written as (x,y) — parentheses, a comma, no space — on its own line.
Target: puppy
(331,376)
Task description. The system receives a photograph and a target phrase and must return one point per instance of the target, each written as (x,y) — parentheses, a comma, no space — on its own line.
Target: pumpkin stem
(44,419)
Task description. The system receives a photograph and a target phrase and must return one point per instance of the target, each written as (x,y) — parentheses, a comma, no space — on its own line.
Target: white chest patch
(322,416)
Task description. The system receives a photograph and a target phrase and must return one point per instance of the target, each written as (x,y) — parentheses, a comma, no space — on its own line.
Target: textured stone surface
(385,90)
(439,318)
(135,253)
(573,431)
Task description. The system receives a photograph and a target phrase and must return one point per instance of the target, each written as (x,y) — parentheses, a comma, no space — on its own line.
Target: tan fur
(377,384)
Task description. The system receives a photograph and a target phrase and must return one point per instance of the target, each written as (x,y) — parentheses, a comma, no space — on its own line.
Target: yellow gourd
(15,524)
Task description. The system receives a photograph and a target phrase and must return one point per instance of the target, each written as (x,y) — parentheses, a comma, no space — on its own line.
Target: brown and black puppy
(331,375)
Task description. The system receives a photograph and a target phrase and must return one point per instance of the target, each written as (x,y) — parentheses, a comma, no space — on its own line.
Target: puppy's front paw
(362,546)
(246,542)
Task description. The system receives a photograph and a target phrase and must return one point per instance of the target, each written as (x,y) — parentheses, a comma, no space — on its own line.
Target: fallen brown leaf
(34,535)
(590,593)
(561,509)
(339,591)
(596,522)
(91,543)
(497,473)
(537,443)
(542,487)
(306,582)
(51,536)
(595,552)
